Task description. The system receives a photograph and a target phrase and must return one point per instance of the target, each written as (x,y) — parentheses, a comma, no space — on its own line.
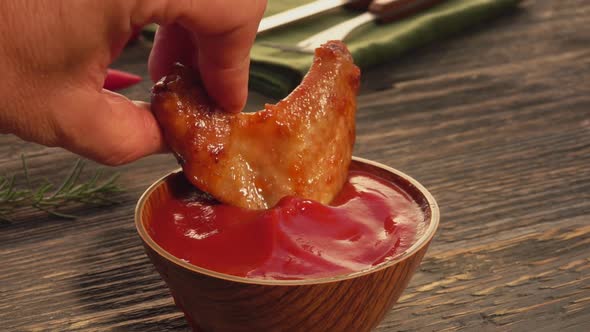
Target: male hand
(54,55)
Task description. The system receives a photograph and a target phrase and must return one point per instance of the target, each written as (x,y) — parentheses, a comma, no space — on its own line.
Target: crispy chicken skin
(302,146)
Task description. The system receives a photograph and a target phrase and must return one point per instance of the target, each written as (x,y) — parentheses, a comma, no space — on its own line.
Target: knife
(306,11)
(383,11)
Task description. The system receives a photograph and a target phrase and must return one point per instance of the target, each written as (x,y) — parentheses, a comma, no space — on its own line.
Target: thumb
(108,128)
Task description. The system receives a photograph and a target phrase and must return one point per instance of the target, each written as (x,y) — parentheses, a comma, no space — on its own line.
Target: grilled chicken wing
(302,146)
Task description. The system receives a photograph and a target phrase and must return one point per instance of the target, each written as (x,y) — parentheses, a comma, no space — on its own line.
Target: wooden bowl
(213,301)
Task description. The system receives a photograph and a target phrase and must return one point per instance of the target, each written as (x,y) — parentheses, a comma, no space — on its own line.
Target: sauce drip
(371,220)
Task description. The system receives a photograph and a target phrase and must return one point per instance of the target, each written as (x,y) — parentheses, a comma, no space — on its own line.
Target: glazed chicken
(302,146)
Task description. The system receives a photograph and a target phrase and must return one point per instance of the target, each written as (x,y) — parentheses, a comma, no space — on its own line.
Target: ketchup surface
(371,220)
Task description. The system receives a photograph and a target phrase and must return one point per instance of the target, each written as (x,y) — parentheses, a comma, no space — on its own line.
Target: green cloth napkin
(276,72)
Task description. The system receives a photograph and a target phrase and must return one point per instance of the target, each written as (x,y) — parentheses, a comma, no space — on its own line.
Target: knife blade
(383,11)
(305,11)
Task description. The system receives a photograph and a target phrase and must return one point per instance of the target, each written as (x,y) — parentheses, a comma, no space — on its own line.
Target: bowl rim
(424,239)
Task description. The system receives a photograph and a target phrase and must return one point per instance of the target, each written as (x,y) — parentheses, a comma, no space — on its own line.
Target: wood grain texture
(494,122)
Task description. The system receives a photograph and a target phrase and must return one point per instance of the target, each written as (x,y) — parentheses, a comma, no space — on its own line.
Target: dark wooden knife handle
(358,4)
(391,10)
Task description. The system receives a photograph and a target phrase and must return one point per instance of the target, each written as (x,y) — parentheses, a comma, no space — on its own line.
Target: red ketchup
(371,220)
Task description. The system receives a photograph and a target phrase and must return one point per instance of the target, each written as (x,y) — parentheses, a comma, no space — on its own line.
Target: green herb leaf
(70,192)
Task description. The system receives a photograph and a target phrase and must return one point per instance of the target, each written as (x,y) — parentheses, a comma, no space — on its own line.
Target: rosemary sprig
(71,191)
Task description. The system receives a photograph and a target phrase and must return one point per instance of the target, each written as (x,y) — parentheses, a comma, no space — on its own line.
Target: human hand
(54,55)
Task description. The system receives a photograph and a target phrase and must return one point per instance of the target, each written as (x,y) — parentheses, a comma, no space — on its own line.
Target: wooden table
(495,122)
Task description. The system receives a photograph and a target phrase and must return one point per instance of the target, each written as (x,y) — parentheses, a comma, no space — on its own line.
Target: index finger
(222,33)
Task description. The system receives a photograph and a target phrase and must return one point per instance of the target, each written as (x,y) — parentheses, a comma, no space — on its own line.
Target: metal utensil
(383,11)
(306,11)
